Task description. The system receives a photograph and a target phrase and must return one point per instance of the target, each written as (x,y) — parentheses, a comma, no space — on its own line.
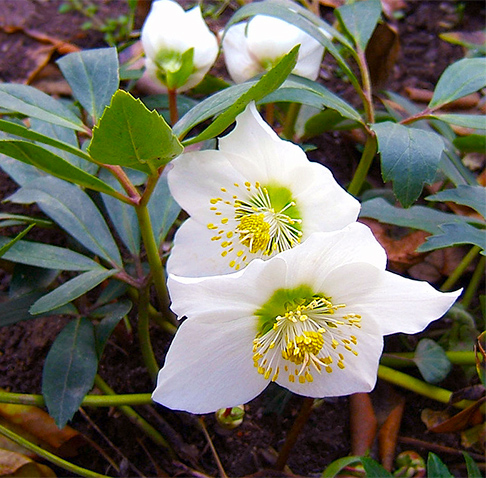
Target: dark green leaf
(5,247)
(374,469)
(69,370)
(27,279)
(459,79)
(360,19)
(17,219)
(130,135)
(71,290)
(43,159)
(472,468)
(453,234)
(74,211)
(409,157)
(338,465)
(416,217)
(432,361)
(468,121)
(93,77)
(472,196)
(47,256)
(473,143)
(34,103)
(112,314)
(436,468)
(267,83)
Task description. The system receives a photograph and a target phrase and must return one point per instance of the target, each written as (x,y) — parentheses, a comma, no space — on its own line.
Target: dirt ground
(30,29)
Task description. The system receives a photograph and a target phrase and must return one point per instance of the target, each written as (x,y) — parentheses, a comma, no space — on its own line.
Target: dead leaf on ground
(391,6)
(363,423)
(424,96)
(388,435)
(14,464)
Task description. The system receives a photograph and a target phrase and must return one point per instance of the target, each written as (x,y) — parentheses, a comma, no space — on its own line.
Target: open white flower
(255,46)
(179,47)
(311,319)
(256,196)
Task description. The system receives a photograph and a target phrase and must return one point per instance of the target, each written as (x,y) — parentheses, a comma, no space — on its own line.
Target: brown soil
(250,448)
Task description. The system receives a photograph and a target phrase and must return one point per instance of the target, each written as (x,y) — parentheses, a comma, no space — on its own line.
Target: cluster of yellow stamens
(310,336)
(249,222)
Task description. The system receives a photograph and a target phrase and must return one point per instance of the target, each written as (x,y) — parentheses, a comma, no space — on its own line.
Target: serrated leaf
(93,77)
(453,234)
(112,314)
(69,370)
(459,79)
(472,468)
(416,217)
(130,135)
(70,290)
(269,82)
(31,102)
(74,211)
(472,196)
(163,209)
(360,19)
(409,158)
(436,468)
(468,121)
(47,256)
(432,361)
(43,159)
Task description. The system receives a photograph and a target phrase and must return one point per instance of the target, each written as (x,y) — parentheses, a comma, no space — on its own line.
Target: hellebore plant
(256,196)
(312,319)
(254,47)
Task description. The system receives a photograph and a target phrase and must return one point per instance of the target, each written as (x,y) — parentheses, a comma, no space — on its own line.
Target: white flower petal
(226,297)
(309,60)
(209,366)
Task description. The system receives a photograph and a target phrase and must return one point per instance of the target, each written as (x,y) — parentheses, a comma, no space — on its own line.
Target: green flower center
(265,220)
(301,332)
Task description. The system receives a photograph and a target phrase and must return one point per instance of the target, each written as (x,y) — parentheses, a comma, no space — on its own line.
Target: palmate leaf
(432,361)
(409,158)
(472,196)
(69,370)
(130,135)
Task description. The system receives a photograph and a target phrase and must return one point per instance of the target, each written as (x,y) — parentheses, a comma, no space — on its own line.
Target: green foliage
(130,135)
(436,467)
(432,361)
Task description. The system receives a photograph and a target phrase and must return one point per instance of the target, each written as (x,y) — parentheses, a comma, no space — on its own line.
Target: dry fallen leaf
(14,464)
(363,423)
(388,435)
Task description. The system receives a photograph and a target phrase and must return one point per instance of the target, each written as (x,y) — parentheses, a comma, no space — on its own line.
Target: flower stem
(134,417)
(418,386)
(213,449)
(459,270)
(294,433)
(399,360)
(289,126)
(144,334)
(174,114)
(365,78)
(363,166)
(49,456)
(474,283)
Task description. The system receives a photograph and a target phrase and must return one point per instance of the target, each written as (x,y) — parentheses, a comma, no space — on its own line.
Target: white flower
(256,196)
(311,319)
(179,47)
(255,47)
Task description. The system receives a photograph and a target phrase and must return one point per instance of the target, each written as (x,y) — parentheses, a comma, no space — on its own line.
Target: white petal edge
(210,366)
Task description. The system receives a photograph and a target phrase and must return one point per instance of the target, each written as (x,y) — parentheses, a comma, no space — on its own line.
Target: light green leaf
(468,121)
(472,143)
(409,157)
(5,247)
(74,211)
(47,256)
(43,159)
(69,370)
(472,196)
(459,79)
(31,102)
(472,467)
(17,219)
(416,217)
(267,83)
(130,135)
(453,234)
(359,19)
(374,469)
(436,468)
(432,361)
(338,465)
(70,290)
(93,77)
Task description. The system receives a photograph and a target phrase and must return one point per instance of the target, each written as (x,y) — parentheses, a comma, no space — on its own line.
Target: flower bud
(255,46)
(230,418)
(410,465)
(179,47)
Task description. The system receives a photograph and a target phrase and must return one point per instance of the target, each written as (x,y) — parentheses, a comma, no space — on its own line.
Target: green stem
(399,360)
(459,270)
(124,181)
(418,386)
(474,283)
(288,131)
(363,166)
(134,417)
(49,456)
(88,401)
(144,334)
